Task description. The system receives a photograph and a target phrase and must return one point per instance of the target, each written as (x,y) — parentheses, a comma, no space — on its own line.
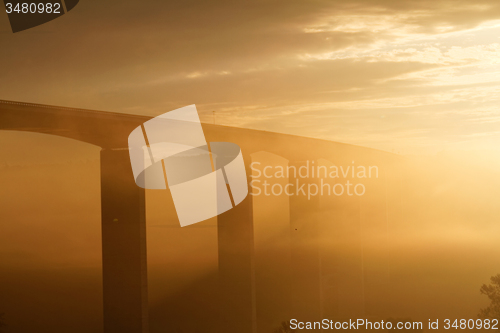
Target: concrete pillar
(305,249)
(375,228)
(124,260)
(342,255)
(273,269)
(236,267)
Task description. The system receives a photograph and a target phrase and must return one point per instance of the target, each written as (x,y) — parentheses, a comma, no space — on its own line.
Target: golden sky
(410,76)
(403,76)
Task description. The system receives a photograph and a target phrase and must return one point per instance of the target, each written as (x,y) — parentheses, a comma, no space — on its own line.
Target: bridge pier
(124,261)
(273,266)
(305,249)
(237,267)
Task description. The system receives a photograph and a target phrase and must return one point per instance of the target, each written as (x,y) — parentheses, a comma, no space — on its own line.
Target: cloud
(277,65)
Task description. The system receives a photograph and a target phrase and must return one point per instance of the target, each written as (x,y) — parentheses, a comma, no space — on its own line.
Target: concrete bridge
(246,260)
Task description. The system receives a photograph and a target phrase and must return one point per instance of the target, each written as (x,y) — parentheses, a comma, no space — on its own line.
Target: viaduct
(245,259)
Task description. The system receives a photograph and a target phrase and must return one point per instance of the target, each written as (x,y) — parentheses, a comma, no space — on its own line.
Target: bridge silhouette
(124,255)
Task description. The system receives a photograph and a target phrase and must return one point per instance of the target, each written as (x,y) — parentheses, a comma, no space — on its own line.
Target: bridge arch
(42,199)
